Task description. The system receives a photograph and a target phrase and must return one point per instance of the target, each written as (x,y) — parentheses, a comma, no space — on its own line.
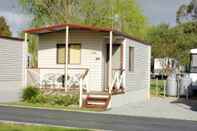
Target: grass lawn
(157,87)
(22,127)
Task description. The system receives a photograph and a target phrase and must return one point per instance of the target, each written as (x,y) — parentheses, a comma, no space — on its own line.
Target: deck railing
(54,78)
(33,76)
(117,80)
(82,78)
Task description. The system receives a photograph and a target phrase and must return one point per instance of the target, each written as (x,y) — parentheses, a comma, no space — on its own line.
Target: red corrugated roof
(59,27)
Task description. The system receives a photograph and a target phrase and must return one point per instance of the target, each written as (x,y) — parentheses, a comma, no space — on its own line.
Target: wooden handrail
(84,75)
(122,71)
(118,69)
(115,79)
(81,87)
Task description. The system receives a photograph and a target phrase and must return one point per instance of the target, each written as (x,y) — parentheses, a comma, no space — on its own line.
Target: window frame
(131,61)
(63,45)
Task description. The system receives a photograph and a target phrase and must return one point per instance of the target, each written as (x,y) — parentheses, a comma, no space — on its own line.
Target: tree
(160,39)
(4,28)
(32,49)
(187,12)
(174,42)
(48,12)
(185,40)
(123,15)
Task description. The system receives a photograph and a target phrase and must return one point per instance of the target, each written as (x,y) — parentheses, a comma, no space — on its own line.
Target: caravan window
(193,64)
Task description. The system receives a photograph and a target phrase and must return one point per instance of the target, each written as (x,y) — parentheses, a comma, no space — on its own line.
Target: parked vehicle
(193,69)
(160,66)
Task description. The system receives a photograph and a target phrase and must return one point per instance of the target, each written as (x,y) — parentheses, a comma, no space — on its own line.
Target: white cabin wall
(139,78)
(91,54)
(11,70)
(137,83)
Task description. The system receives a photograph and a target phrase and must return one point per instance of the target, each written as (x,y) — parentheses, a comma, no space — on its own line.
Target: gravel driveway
(160,108)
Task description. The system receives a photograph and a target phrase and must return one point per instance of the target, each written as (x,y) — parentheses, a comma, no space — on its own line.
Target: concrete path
(160,108)
(95,121)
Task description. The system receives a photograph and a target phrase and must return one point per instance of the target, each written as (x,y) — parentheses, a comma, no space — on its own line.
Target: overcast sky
(157,11)
(15,17)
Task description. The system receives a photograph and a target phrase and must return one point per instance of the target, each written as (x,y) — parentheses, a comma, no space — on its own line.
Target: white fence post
(157,87)
(81,93)
(110,62)
(25,48)
(66,58)
(164,88)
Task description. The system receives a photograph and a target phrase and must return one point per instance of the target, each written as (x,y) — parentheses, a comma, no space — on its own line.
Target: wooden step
(97,96)
(96,100)
(94,106)
(96,103)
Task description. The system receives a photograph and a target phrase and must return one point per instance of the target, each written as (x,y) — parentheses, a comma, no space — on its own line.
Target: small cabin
(112,68)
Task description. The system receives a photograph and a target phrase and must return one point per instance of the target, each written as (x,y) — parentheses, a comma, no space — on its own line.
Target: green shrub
(63,100)
(58,100)
(75,99)
(29,93)
(33,95)
(39,99)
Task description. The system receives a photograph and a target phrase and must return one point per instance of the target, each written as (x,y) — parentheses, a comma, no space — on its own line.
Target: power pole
(67,11)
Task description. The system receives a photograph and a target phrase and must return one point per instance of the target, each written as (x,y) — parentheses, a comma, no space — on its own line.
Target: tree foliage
(48,12)
(116,14)
(187,13)
(123,15)
(177,41)
(174,42)
(4,28)
(32,49)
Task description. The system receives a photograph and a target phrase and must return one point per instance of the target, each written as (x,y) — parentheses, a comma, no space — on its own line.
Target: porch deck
(54,84)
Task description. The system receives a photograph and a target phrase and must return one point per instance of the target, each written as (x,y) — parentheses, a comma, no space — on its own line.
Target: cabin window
(74,53)
(60,53)
(131,59)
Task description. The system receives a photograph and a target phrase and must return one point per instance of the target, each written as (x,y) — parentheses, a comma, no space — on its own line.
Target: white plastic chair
(49,80)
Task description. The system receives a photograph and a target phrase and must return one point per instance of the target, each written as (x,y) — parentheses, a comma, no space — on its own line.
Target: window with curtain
(131,59)
(74,54)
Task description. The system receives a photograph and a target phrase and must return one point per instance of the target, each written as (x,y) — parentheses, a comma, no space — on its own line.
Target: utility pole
(67,11)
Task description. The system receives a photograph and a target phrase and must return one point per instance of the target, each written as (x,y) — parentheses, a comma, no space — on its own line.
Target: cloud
(16,21)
